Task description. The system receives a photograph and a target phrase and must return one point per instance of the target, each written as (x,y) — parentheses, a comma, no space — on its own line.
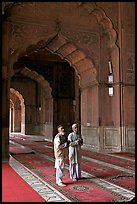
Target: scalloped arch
(102,20)
(68,51)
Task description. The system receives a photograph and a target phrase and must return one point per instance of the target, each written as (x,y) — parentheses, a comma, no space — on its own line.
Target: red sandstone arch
(102,20)
(21,99)
(66,49)
(37,77)
(90,7)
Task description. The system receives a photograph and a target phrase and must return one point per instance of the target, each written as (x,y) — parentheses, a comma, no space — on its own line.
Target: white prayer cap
(74,125)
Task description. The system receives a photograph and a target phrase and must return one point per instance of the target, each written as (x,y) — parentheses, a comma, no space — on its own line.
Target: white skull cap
(74,125)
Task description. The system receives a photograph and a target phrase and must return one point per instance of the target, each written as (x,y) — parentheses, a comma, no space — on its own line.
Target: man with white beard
(75,153)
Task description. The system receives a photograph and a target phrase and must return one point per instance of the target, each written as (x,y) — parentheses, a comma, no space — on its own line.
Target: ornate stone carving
(81,37)
(26,34)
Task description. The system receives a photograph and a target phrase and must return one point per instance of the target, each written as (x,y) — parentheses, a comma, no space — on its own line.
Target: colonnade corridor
(106,177)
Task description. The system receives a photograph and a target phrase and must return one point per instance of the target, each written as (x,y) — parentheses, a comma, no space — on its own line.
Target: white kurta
(74,156)
(59,153)
(74,148)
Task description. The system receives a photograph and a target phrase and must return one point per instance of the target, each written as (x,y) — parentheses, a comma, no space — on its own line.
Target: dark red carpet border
(15,189)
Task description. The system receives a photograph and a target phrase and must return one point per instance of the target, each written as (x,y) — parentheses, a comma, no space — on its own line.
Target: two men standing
(74,142)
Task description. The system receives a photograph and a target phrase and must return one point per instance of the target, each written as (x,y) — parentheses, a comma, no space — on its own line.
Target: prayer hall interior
(65,63)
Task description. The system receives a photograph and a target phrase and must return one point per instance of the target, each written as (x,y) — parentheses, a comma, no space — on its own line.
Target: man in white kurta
(75,153)
(60,144)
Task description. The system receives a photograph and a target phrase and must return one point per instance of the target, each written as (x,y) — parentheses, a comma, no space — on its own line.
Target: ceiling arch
(60,45)
(37,77)
(19,96)
(67,51)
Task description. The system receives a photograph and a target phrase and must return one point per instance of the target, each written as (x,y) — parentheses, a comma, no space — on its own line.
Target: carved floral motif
(22,34)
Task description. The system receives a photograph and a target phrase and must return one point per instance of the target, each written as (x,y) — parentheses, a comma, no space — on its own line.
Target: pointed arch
(37,77)
(22,105)
(68,51)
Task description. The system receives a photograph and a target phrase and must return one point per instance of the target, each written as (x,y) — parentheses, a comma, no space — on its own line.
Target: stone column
(5,90)
(89,116)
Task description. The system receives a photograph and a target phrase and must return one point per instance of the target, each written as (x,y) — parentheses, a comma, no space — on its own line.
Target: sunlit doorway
(17,112)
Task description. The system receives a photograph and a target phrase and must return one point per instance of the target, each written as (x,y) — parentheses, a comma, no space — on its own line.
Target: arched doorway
(11,120)
(87,51)
(17,112)
(57,96)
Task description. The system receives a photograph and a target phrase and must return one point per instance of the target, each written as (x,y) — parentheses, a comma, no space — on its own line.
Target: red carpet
(81,191)
(99,170)
(13,149)
(35,145)
(15,189)
(85,189)
(46,143)
(109,159)
(124,181)
(39,146)
(35,162)
(125,154)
